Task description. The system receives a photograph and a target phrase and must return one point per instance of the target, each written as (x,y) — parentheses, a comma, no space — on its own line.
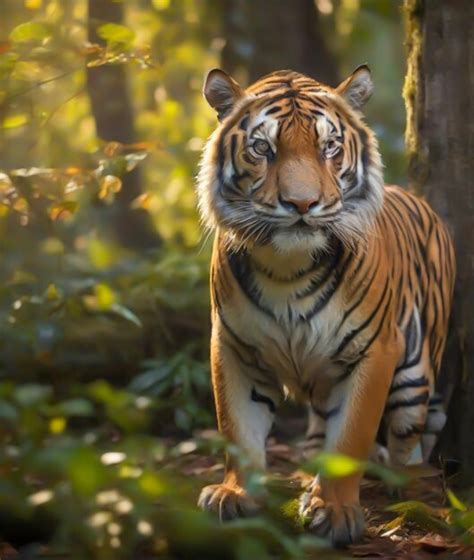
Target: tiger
(326,286)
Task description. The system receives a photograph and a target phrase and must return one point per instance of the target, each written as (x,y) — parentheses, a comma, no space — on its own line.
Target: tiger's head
(292,163)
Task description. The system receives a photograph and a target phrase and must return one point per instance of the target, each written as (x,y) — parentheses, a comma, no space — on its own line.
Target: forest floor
(387,536)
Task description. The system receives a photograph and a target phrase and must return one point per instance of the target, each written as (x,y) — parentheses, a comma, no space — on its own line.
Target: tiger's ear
(358,87)
(221,92)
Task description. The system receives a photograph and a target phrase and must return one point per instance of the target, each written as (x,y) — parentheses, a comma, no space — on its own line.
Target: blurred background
(104,306)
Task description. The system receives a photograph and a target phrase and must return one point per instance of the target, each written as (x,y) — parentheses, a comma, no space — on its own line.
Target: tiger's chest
(295,324)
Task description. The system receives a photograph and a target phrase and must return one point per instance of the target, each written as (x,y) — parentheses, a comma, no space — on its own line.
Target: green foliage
(116,35)
(30,31)
(456,522)
(84,471)
(182,379)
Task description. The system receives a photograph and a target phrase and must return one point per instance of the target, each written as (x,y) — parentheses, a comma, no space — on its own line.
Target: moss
(413,92)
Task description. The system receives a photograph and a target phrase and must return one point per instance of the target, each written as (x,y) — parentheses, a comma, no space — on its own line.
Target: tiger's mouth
(302,225)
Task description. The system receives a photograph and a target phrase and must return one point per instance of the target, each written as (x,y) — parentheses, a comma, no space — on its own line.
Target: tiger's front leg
(245,414)
(331,507)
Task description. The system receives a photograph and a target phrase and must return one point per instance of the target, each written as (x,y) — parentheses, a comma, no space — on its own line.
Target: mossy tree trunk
(438,92)
(112,108)
(263,36)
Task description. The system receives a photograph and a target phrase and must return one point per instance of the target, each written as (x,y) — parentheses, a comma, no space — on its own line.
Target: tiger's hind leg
(407,409)
(435,421)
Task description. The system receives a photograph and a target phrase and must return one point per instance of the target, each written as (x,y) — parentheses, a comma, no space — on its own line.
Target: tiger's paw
(227,501)
(342,525)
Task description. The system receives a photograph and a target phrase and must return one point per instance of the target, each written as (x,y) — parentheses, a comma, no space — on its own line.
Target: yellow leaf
(161,4)
(105,296)
(14,121)
(100,254)
(33,4)
(52,292)
(57,425)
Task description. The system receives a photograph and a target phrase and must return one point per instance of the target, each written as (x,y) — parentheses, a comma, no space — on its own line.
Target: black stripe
(318,282)
(379,328)
(348,369)
(259,398)
(240,268)
(325,298)
(273,110)
(362,295)
(413,430)
(410,383)
(326,414)
(352,334)
(244,123)
(253,350)
(414,401)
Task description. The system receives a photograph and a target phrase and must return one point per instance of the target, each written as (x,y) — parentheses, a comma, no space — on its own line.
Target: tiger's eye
(261,147)
(331,149)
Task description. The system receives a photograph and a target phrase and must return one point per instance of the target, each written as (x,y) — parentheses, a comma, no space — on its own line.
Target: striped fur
(326,285)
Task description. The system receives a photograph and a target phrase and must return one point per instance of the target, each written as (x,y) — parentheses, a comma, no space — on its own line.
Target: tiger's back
(423,274)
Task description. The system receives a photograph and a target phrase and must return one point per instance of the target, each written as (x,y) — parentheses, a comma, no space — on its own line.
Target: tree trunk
(264,36)
(113,114)
(438,93)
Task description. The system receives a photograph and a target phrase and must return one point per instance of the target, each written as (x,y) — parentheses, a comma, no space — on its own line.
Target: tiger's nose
(301,205)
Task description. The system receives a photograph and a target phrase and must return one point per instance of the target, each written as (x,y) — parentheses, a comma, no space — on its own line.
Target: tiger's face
(291,164)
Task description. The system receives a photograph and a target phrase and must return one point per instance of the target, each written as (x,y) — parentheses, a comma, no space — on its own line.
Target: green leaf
(116,34)
(333,465)
(422,514)
(32,394)
(76,407)
(86,472)
(455,501)
(30,31)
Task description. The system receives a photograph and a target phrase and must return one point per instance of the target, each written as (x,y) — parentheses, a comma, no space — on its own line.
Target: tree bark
(263,36)
(438,95)
(113,114)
